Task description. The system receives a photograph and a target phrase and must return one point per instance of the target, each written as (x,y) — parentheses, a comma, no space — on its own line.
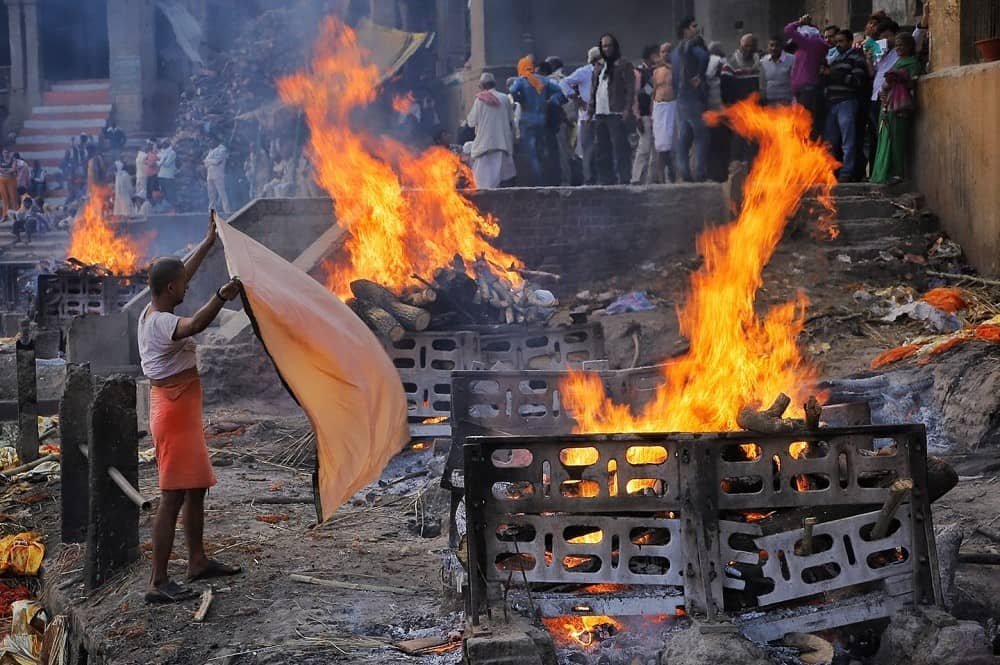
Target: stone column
(132,61)
(19,104)
(33,61)
(477,22)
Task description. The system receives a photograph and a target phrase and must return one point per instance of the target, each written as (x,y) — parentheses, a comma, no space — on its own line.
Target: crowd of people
(614,122)
(22,191)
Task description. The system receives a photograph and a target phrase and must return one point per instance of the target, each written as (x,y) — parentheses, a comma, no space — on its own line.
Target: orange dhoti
(175,423)
(8,193)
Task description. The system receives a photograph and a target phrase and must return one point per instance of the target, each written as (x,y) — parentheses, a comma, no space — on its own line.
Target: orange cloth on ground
(946,299)
(330,361)
(526,68)
(178,435)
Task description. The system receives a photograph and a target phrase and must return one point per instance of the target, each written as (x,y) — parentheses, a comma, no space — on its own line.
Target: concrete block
(102,341)
(510,646)
(47,343)
(142,404)
(10,323)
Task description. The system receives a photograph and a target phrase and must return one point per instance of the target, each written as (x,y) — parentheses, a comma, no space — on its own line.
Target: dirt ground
(262,616)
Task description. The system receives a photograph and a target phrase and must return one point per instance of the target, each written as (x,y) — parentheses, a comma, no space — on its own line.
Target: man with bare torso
(664,113)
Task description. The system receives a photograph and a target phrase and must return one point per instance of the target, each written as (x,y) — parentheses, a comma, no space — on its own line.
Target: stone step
(852,207)
(80,124)
(42,154)
(71,108)
(873,228)
(47,139)
(855,189)
(73,97)
(867,250)
(83,85)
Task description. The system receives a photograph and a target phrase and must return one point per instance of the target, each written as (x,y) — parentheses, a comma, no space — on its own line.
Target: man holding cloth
(167,353)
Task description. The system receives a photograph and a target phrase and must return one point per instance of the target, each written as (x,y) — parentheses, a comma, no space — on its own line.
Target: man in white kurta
(492,116)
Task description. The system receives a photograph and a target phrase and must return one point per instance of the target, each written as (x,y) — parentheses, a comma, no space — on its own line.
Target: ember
(584,630)
(403,211)
(94,242)
(736,358)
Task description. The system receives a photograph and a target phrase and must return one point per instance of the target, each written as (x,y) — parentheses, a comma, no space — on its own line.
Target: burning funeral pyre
(780,523)
(101,272)
(619,529)
(414,241)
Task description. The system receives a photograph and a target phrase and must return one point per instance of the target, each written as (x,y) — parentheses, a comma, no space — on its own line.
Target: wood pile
(452,298)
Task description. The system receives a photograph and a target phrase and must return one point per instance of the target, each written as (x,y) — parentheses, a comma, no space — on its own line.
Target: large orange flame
(403,212)
(94,241)
(736,357)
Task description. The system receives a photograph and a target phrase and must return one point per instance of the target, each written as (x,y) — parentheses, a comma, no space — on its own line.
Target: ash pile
(456,296)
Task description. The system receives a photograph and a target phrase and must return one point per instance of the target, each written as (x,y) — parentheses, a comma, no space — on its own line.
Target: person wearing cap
(576,87)
(492,151)
(533,93)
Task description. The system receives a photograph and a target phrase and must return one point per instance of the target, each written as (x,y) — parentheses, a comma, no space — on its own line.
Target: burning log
(769,421)
(941,478)
(377,319)
(807,535)
(897,492)
(420,298)
(813,411)
(411,318)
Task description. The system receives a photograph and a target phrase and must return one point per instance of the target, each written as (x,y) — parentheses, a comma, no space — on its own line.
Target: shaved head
(163,272)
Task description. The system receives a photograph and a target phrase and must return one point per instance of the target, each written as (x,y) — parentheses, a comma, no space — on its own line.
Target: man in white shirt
(492,116)
(215,172)
(576,87)
(776,74)
(167,161)
(184,470)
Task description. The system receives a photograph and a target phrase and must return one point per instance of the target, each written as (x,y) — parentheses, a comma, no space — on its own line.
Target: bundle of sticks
(452,298)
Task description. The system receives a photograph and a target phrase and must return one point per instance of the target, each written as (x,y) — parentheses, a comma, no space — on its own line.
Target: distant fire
(737,357)
(403,104)
(93,241)
(403,212)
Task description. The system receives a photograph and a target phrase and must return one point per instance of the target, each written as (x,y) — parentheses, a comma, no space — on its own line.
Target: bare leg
(199,565)
(194,528)
(163,534)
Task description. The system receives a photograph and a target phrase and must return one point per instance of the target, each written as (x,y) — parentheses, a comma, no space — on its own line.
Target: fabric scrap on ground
(926,348)
(636,301)
(21,554)
(947,299)
(330,361)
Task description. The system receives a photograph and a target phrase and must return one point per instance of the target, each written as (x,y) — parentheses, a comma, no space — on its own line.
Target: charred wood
(411,318)
(377,319)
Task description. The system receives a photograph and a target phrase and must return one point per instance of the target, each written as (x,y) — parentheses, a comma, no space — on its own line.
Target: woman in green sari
(896,120)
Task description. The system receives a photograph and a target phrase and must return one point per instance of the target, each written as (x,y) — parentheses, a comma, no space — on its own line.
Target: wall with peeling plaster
(957,163)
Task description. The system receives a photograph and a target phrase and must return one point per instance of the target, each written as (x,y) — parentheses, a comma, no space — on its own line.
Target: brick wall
(587,233)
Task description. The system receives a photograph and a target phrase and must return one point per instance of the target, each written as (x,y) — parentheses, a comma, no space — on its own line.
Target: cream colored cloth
(331,362)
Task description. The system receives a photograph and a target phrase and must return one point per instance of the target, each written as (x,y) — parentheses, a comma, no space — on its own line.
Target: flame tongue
(736,357)
(395,232)
(94,242)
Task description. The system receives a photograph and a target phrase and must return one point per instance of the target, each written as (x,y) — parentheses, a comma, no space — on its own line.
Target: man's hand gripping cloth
(330,361)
